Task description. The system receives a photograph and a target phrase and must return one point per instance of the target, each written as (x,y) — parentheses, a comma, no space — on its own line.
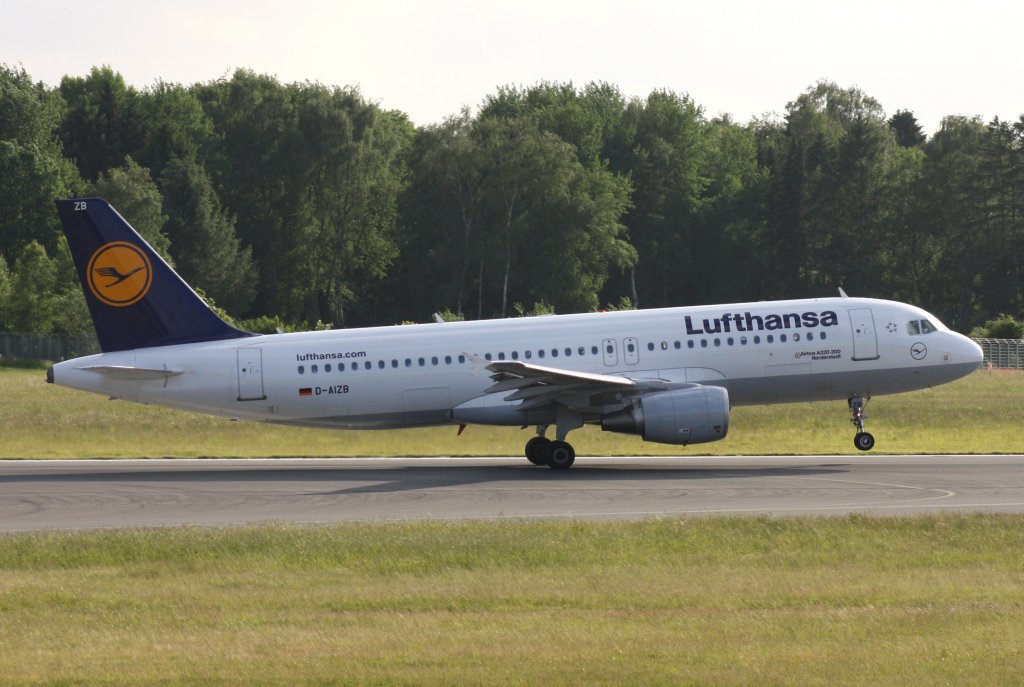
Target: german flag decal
(306,392)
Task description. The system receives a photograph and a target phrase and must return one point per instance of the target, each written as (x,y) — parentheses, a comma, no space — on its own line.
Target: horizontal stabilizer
(132,373)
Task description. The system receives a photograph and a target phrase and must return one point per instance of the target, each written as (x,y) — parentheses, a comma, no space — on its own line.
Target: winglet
(135,298)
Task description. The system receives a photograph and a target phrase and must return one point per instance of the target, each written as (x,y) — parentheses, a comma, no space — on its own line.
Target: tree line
(291,204)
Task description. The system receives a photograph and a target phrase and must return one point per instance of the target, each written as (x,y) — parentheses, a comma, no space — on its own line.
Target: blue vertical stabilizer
(135,298)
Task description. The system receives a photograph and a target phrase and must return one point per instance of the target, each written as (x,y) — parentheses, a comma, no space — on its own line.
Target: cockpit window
(916,327)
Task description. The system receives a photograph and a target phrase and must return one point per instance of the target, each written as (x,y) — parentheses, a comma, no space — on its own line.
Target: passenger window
(423,362)
(770,338)
(718,342)
(327,367)
(433,360)
(528,355)
(487,356)
(568,352)
(380,364)
(394,362)
(313,369)
(743,341)
(593,350)
(515,355)
(782,338)
(810,336)
(913,328)
(650,345)
(582,351)
(554,352)
(757,339)
(367,365)
(689,344)
(822,336)
(796,337)
(408,362)
(302,369)
(677,345)
(703,343)
(447,360)
(501,355)
(608,348)
(540,353)
(462,358)
(630,347)
(729,341)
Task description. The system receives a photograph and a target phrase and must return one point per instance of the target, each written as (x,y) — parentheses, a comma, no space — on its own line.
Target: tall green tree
(30,306)
(312,174)
(666,163)
(826,221)
(174,125)
(909,133)
(442,235)
(952,205)
(32,165)
(533,181)
(202,237)
(102,124)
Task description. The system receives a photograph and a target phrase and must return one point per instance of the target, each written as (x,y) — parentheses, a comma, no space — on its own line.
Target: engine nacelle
(684,416)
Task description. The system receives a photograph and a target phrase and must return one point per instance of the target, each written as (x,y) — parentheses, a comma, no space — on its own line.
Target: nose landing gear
(864,441)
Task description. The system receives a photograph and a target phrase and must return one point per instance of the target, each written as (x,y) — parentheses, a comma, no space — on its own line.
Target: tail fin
(135,298)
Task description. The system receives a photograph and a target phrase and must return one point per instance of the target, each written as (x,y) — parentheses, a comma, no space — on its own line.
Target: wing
(537,386)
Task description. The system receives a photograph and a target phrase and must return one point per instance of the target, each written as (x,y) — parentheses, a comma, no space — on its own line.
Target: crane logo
(119,274)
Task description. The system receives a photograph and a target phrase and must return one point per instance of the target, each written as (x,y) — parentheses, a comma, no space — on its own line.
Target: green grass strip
(979,414)
(853,601)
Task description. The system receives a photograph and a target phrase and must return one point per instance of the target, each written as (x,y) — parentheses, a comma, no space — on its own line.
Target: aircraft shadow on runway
(400,478)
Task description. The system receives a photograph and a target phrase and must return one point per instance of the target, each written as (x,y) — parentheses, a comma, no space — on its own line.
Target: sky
(744,58)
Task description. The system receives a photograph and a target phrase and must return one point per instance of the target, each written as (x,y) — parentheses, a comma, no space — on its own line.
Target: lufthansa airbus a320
(668,375)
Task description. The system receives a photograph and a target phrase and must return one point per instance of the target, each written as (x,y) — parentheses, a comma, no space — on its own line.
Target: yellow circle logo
(119,274)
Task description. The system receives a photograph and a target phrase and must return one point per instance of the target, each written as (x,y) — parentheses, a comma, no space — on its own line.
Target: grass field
(983,413)
(856,601)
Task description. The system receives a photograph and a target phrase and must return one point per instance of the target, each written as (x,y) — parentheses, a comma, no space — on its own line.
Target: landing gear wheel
(560,455)
(864,441)
(535,450)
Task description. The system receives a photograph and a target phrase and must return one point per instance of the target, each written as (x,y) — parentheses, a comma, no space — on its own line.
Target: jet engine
(695,415)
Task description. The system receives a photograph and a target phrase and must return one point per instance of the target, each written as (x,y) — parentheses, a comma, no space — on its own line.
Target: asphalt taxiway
(45,494)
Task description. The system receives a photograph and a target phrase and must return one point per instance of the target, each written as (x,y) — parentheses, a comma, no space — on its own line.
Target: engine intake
(684,416)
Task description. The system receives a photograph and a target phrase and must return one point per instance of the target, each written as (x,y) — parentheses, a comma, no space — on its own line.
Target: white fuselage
(381,377)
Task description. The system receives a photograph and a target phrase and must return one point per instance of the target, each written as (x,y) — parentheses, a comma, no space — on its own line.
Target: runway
(67,495)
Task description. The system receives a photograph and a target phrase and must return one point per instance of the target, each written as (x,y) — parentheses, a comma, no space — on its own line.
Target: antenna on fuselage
(842,293)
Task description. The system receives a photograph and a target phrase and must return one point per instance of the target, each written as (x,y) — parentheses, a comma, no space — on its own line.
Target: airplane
(669,375)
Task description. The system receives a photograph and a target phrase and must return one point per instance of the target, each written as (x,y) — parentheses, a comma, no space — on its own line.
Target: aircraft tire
(560,455)
(864,441)
(535,450)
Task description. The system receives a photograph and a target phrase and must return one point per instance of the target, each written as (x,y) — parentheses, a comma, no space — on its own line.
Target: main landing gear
(558,455)
(862,440)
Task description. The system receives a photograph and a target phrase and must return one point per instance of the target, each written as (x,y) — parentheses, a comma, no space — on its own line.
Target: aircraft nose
(970,351)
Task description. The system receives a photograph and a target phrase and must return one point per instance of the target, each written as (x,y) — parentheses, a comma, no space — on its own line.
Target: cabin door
(865,342)
(250,374)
